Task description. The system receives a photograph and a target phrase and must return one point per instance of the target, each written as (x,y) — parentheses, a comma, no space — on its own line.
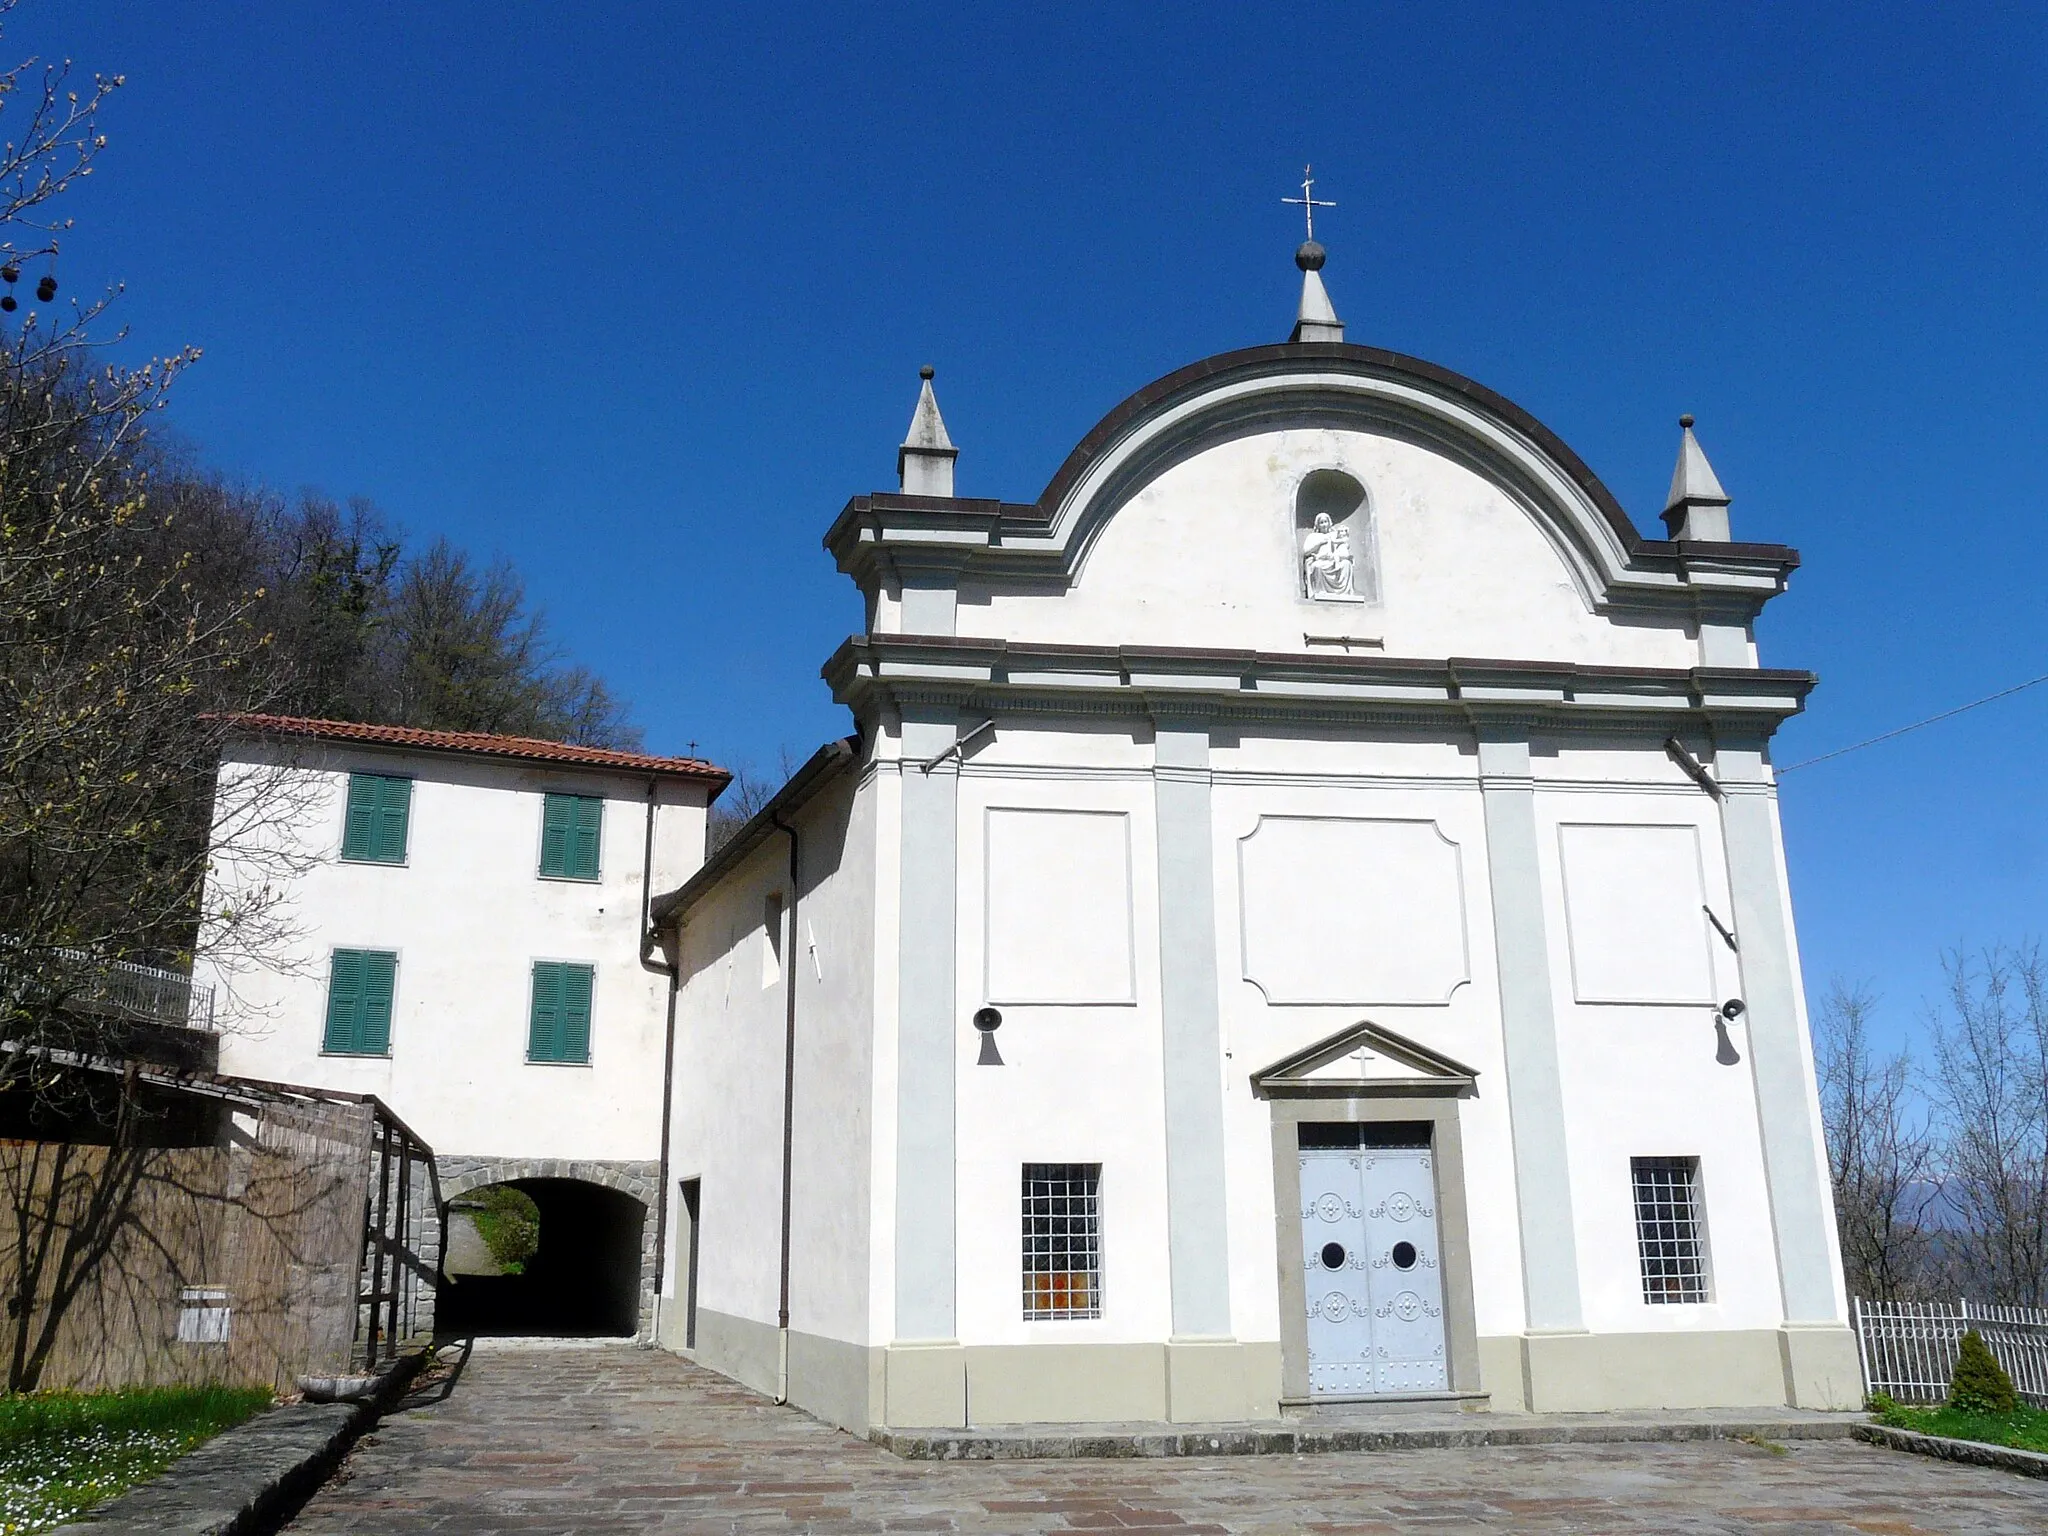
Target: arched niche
(1336,551)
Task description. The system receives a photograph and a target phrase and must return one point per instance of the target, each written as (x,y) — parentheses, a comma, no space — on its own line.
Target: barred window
(1062,1240)
(1670,1234)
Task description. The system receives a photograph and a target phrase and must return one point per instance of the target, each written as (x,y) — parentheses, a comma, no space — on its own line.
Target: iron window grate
(1670,1235)
(1062,1240)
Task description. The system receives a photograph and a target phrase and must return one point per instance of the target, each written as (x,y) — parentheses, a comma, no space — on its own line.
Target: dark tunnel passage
(582,1280)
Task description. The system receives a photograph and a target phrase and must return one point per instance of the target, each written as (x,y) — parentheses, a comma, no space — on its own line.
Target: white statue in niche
(1336,551)
(1326,559)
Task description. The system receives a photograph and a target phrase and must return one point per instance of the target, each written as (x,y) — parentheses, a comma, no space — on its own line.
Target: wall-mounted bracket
(1727,937)
(1694,768)
(959,746)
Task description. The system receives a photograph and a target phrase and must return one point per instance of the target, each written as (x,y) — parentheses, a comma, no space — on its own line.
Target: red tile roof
(526,748)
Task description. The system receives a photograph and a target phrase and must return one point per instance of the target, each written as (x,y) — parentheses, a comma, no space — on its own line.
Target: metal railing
(1909,1348)
(72,978)
(403,1218)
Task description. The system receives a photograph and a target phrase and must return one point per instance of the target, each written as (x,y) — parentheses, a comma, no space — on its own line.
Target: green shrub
(509,1223)
(1880,1402)
(1980,1384)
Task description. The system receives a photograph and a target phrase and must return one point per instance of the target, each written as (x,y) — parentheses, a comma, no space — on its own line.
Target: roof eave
(822,766)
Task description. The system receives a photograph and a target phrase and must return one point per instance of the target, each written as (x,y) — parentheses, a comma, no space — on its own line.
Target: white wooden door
(1372,1275)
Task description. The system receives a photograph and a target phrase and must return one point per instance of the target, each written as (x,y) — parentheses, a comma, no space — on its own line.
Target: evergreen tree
(1980,1384)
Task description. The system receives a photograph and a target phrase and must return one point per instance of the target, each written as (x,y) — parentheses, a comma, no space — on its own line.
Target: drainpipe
(788,1106)
(648,939)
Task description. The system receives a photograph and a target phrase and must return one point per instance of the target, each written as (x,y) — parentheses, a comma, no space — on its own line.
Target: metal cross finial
(1308,202)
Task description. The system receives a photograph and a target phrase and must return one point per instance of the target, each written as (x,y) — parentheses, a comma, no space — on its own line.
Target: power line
(1946,714)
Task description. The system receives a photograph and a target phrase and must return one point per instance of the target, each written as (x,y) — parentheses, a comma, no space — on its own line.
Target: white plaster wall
(730,1036)
(1642,1080)
(1081,1082)
(727,1115)
(1204,555)
(1436,783)
(467,915)
(835,1044)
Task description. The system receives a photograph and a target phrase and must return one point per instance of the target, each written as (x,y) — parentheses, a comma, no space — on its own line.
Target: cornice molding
(869,672)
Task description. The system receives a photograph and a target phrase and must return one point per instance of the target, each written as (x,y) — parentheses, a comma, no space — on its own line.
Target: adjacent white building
(1302,917)
(464,915)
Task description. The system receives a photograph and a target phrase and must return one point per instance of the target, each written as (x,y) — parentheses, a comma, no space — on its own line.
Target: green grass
(63,1452)
(2024,1429)
(509,1223)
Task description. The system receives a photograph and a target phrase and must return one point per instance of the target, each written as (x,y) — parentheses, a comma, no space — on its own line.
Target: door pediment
(1365,1060)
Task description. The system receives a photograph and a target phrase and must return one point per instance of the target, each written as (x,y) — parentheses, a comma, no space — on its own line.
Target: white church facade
(1301,918)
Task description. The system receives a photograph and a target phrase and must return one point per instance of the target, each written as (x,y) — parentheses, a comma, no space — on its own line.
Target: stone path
(536,1439)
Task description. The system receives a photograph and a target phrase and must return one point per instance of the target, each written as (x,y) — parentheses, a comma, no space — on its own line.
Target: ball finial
(1685,422)
(927,371)
(1310,257)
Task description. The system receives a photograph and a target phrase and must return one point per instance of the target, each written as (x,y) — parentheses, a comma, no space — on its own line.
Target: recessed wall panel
(1348,910)
(1635,909)
(1059,907)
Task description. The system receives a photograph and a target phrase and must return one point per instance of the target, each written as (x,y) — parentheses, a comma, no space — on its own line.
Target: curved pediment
(1261,395)
(1337,386)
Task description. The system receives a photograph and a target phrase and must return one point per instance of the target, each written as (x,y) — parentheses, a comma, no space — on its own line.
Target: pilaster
(1550,1260)
(1776,1028)
(925,1194)
(1198,1234)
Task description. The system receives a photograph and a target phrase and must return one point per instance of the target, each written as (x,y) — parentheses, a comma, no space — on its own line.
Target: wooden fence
(1909,1348)
(301,1239)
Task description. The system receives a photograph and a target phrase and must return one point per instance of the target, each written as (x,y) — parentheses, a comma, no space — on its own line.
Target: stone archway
(597,1276)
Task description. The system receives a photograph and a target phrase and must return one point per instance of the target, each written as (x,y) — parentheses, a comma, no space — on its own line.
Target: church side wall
(726,1128)
(832,1175)
(728,1107)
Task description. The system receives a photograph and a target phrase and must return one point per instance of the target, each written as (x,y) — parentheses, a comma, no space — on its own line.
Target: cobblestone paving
(595,1440)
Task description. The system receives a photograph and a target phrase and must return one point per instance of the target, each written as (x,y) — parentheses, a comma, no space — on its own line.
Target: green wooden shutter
(380,977)
(394,820)
(379,814)
(584,844)
(359,831)
(359,995)
(570,831)
(575,1036)
(559,1027)
(344,1001)
(556,811)
(544,1027)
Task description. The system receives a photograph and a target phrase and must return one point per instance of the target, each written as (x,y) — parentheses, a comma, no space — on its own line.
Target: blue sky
(635,294)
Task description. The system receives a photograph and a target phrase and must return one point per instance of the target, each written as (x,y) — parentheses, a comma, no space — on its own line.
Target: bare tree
(1990,1089)
(1879,1149)
(744,798)
(468,653)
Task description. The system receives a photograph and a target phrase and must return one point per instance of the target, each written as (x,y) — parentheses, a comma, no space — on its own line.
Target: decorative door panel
(1398,1185)
(1340,1361)
(1372,1272)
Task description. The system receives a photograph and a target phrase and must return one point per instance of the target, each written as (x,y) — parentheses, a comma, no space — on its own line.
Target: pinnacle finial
(1316,318)
(924,464)
(1697,508)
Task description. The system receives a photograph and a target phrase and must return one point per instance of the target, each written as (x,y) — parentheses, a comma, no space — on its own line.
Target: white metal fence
(113,988)
(1909,1347)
